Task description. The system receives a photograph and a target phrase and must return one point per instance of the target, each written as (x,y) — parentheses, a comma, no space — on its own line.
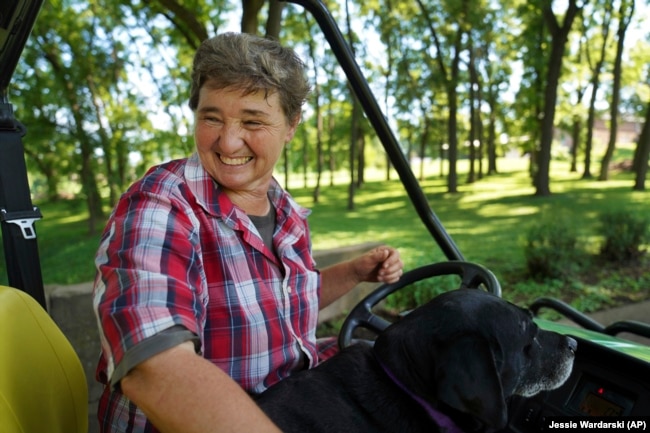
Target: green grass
(487,219)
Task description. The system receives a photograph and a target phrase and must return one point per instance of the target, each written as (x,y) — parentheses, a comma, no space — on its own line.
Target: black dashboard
(605,382)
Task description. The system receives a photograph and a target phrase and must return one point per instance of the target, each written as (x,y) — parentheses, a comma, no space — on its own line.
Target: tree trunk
(361,155)
(473,133)
(274,20)
(89,186)
(305,159)
(424,138)
(577,118)
(492,131)
(591,118)
(451,82)
(575,138)
(354,128)
(330,140)
(285,152)
(479,129)
(558,40)
(185,20)
(352,154)
(319,116)
(643,153)
(249,20)
(595,85)
(452,125)
(626,11)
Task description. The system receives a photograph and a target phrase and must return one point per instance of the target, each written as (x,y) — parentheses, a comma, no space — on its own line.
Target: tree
(250,17)
(46,138)
(450,75)
(601,29)
(188,19)
(390,33)
(128,108)
(70,53)
(642,154)
(625,14)
(496,72)
(559,34)
(355,127)
(571,106)
(320,157)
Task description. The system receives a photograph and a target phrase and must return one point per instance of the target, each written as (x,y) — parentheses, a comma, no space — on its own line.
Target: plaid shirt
(176,251)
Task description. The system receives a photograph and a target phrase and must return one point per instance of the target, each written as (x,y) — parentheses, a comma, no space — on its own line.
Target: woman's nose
(230,137)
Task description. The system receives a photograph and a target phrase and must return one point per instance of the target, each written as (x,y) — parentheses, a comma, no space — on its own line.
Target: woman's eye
(210,119)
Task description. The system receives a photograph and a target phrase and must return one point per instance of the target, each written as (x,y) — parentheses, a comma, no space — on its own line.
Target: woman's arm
(180,391)
(381,264)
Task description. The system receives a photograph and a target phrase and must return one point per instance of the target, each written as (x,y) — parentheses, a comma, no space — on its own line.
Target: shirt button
(288,289)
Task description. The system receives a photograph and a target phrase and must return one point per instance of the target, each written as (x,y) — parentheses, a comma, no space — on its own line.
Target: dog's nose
(572,344)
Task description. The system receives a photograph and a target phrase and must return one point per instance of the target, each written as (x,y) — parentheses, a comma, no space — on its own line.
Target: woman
(206,289)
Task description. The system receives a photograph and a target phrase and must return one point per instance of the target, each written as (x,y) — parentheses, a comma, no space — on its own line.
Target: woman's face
(239,138)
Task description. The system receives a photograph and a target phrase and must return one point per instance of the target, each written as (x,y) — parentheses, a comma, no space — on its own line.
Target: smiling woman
(205,266)
(239,139)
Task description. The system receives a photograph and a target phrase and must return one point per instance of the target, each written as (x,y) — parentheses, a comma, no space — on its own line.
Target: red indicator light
(601,391)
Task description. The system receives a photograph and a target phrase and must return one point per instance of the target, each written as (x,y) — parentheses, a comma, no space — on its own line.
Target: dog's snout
(571,344)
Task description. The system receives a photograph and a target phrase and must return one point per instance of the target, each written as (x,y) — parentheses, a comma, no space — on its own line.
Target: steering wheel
(472,276)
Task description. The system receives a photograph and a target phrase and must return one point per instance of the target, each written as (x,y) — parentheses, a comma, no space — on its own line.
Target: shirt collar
(212,199)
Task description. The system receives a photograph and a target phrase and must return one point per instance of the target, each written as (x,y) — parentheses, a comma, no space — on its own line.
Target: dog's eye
(531,346)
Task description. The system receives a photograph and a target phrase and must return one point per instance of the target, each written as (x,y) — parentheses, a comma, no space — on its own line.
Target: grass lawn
(488,221)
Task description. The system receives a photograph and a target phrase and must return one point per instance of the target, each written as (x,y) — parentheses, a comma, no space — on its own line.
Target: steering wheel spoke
(472,275)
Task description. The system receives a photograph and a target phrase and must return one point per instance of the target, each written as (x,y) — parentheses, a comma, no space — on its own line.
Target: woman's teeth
(235,161)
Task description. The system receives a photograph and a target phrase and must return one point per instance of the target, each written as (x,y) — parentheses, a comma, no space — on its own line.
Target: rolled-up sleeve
(147,279)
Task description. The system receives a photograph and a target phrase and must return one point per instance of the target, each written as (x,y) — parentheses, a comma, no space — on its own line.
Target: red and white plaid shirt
(176,251)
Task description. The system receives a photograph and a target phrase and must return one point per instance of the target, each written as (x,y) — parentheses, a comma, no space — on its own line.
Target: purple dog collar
(443,421)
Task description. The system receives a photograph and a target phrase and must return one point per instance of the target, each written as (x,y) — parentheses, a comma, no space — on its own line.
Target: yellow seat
(42,383)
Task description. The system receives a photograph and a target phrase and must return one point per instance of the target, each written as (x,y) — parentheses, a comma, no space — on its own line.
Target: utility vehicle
(40,388)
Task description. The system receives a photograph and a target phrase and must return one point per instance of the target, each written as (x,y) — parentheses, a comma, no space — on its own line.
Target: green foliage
(128,63)
(625,234)
(550,248)
(422,291)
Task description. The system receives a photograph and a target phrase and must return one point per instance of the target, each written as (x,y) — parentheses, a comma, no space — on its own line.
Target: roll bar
(17,214)
(371,108)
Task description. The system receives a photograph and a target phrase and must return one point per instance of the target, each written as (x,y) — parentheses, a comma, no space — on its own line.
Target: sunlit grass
(487,219)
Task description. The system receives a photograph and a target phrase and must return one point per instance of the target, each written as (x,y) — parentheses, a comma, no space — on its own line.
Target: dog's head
(470,351)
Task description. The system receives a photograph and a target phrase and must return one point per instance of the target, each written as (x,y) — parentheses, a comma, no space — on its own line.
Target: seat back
(42,382)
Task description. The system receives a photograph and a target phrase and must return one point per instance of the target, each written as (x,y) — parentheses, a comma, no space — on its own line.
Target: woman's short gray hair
(250,63)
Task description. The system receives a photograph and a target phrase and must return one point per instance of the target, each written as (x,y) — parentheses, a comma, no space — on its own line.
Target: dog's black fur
(464,353)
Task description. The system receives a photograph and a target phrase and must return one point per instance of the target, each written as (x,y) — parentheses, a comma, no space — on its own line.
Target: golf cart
(611,376)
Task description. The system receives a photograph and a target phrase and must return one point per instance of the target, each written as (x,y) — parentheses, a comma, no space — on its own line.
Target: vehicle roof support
(344,54)
(17,214)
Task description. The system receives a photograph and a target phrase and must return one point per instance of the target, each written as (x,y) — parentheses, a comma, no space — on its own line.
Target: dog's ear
(468,380)
(459,371)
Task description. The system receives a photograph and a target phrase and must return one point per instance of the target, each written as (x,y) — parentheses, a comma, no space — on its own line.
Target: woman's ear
(293,126)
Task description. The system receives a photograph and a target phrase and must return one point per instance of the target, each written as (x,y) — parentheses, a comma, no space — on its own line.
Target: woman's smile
(239,138)
(234,161)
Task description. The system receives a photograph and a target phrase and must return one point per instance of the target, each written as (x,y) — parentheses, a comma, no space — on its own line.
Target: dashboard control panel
(603,382)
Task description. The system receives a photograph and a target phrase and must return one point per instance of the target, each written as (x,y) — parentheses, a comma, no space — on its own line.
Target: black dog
(450,365)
